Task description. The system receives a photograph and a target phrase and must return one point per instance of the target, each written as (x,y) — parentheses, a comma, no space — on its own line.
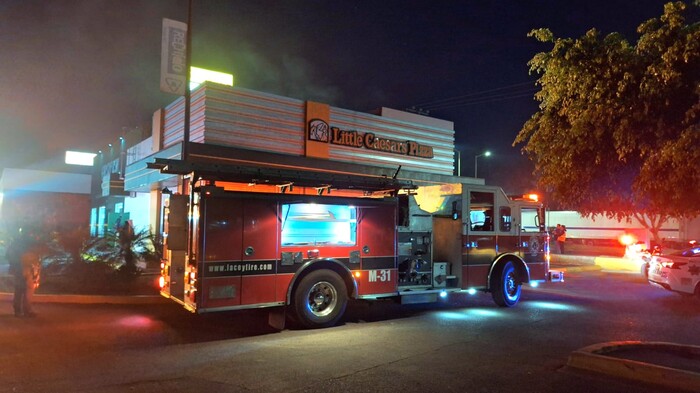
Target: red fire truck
(306,235)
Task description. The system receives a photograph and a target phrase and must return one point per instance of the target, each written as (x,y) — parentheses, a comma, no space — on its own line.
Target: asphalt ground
(667,364)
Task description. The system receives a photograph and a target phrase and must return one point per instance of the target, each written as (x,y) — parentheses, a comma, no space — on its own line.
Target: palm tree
(124,248)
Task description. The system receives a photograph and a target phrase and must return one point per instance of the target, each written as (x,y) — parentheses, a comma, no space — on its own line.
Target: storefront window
(101,221)
(93,221)
(319,225)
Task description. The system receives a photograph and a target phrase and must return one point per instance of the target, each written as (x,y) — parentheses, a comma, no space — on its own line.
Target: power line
(483,100)
(477,93)
(517,90)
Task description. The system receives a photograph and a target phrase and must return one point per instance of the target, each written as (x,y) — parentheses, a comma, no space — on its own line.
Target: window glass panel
(506,219)
(101,221)
(319,225)
(528,220)
(93,221)
(481,211)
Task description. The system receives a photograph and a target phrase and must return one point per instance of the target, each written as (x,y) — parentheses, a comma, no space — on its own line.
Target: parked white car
(677,272)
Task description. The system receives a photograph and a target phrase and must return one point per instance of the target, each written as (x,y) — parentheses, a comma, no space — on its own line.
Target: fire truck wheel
(506,287)
(320,299)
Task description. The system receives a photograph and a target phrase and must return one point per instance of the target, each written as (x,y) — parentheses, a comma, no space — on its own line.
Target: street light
(485,154)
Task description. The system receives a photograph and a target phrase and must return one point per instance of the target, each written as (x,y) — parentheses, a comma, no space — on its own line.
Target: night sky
(76,74)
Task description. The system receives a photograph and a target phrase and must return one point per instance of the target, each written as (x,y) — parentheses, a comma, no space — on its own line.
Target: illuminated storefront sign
(201,75)
(318,131)
(79,158)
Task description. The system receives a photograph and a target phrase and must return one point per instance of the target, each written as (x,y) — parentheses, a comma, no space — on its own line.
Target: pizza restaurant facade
(238,126)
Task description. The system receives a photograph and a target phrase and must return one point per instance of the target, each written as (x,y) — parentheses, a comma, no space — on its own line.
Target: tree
(617,131)
(124,248)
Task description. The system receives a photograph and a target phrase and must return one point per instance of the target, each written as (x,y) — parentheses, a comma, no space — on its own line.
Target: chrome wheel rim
(510,286)
(322,299)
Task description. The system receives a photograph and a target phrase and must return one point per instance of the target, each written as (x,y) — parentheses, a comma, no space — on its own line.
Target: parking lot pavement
(589,262)
(669,365)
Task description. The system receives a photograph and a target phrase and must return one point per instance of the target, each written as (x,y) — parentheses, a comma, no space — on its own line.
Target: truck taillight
(164,274)
(191,282)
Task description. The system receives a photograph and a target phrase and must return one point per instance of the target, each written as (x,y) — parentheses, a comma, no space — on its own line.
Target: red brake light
(627,239)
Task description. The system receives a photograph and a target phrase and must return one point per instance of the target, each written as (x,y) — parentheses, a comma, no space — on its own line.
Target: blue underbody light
(534,284)
(553,306)
(443,294)
(471,291)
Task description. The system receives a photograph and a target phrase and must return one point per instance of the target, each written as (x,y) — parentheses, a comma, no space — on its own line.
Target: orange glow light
(533,197)
(627,239)
(161,282)
(357,274)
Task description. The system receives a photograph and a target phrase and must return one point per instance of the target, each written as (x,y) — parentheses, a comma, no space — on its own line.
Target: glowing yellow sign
(200,75)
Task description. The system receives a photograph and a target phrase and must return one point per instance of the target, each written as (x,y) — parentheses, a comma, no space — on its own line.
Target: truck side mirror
(455,211)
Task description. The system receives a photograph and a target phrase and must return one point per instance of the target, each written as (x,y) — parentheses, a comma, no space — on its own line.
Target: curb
(595,358)
(91,299)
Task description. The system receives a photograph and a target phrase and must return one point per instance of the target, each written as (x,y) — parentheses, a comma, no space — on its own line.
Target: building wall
(242,118)
(44,181)
(51,200)
(253,120)
(52,211)
(249,119)
(440,138)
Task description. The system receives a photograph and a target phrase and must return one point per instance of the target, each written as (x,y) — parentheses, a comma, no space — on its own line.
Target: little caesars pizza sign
(320,131)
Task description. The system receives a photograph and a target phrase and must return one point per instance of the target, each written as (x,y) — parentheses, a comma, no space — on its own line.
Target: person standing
(561,239)
(555,239)
(25,265)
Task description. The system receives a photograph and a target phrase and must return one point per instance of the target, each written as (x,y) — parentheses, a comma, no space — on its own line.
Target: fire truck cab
(308,236)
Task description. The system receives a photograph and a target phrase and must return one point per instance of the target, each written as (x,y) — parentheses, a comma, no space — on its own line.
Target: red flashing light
(627,239)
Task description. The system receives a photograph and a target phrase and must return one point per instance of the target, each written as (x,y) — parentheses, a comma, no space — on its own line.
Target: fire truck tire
(505,285)
(320,299)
